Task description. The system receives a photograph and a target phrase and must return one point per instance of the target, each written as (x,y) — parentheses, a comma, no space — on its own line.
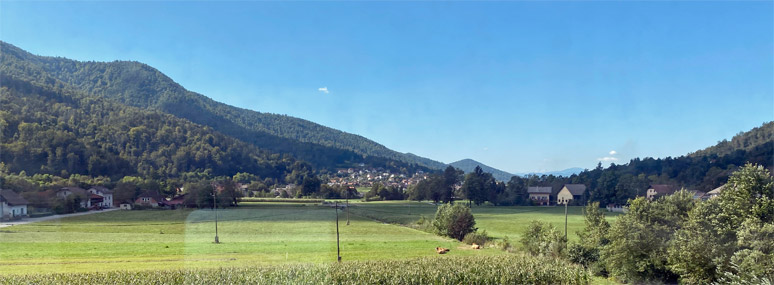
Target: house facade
(658,190)
(540,195)
(12,205)
(571,192)
(105,194)
(65,192)
(149,198)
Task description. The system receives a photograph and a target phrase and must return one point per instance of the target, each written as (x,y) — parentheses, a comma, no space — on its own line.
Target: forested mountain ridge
(48,128)
(140,85)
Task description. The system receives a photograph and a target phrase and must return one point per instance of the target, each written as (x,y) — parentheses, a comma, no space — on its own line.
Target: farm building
(12,205)
(126,205)
(571,192)
(540,195)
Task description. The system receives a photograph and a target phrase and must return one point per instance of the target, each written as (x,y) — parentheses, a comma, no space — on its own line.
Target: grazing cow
(441,250)
(475,246)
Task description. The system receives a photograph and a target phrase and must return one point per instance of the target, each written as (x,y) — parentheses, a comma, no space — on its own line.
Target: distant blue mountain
(468,165)
(567,172)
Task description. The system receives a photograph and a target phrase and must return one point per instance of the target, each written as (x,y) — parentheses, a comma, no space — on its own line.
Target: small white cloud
(612,152)
(323,90)
(608,158)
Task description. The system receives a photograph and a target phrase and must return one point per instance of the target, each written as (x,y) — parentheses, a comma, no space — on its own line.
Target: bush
(423,224)
(454,221)
(479,238)
(543,239)
(588,256)
(504,244)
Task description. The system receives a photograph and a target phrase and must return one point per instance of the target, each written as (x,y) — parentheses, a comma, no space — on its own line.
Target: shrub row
(283,200)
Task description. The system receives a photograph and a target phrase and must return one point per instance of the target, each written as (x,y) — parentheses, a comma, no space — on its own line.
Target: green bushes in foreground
(509,269)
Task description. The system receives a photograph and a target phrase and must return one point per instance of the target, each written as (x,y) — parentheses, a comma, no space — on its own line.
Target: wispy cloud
(608,158)
(323,90)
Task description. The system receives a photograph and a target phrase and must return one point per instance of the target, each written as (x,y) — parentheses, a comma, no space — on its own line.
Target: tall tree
(451,177)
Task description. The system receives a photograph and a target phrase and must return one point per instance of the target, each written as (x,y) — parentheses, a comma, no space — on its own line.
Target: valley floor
(251,234)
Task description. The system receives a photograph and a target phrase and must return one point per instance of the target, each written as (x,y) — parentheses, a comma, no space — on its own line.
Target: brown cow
(441,250)
(475,246)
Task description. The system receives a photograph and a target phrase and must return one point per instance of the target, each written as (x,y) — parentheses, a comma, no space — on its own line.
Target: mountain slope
(468,165)
(140,85)
(745,141)
(46,127)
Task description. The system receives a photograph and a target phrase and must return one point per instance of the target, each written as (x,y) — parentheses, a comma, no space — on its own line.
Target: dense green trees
(739,225)
(676,238)
(479,187)
(639,240)
(380,192)
(451,177)
(593,238)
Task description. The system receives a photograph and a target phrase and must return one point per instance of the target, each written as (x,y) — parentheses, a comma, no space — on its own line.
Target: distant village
(367,177)
(13,206)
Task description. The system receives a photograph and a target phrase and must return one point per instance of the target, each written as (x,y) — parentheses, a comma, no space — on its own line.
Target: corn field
(508,269)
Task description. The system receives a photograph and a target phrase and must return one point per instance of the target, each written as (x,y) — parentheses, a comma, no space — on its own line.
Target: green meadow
(251,234)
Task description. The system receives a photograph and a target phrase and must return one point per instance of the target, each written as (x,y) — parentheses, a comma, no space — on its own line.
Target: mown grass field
(252,234)
(499,222)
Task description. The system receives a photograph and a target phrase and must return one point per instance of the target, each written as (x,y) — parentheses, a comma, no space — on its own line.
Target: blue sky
(520,86)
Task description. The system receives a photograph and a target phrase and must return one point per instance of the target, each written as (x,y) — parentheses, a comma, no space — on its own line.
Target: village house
(177,201)
(151,199)
(289,190)
(65,192)
(107,196)
(540,195)
(571,192)
(658,190)
(714,193)
(12,205)
(698,195)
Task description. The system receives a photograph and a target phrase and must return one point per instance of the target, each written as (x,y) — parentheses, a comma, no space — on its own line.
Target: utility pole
(565,220)
(338,248)
(215,196)
(347,206)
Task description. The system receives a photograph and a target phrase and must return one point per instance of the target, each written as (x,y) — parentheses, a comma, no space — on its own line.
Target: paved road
(46,218)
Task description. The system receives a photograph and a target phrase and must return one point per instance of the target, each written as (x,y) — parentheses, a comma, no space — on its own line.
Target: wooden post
(347,206)
(338,248)
(215,196)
